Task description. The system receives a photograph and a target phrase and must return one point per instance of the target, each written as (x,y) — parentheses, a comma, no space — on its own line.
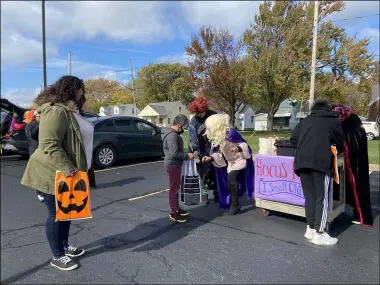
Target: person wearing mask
(200,145)
(312,138)
(174,158)
(358,194)
(31,131)
(65,144)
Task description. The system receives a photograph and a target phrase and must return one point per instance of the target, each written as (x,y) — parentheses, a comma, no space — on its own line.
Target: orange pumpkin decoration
(72,197)
(336,170)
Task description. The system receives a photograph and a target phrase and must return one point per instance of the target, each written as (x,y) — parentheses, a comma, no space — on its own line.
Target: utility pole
(43,43)
(133,89)
(314,55)
(69,65)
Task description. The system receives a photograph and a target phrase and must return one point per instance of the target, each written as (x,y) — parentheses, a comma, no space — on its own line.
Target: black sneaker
(73,251)
(182,213)
(64,263)
(176,217)
(232,211)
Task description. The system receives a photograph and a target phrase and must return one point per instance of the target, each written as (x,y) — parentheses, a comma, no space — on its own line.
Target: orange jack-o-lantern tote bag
(72,197)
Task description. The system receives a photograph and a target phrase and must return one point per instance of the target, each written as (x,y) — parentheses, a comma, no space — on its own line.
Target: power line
(346,19)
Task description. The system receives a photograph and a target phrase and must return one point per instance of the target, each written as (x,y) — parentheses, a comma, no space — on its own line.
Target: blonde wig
(216,129)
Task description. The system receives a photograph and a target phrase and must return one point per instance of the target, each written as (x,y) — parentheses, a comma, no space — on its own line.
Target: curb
(374,167)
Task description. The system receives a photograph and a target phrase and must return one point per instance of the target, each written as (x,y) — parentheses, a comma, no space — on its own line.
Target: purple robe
(246,183)
(12,125)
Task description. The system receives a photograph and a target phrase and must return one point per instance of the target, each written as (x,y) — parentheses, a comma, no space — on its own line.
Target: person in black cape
(357,165)
(200,145)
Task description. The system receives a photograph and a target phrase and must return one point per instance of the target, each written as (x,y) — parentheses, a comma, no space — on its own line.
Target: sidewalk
(374,167)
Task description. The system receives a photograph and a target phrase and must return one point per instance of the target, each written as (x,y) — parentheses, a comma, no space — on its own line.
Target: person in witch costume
(200,145)
(357,165)
(232,158)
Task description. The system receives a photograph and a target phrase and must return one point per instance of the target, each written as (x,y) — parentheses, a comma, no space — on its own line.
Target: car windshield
(4,114)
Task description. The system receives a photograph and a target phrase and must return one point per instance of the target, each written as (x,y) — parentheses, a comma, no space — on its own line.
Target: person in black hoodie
(313,138)
(31,131)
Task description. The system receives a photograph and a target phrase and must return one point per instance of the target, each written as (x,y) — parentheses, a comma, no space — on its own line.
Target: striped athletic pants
(315,186)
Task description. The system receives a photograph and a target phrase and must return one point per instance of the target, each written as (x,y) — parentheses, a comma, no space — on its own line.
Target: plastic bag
(266,146)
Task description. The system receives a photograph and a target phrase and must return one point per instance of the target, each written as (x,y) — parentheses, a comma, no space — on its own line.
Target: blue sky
(103,36)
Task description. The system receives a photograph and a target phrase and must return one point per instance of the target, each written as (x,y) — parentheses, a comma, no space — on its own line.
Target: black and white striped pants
(315,186)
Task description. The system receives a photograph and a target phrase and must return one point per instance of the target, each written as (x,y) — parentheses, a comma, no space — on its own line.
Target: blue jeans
(57,233)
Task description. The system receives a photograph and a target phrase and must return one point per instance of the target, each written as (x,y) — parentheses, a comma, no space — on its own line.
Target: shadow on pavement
(154,231)
(118,183)
(375,193)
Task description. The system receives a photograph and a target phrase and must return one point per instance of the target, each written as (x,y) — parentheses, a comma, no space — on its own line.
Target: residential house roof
(160,110)
(163,108)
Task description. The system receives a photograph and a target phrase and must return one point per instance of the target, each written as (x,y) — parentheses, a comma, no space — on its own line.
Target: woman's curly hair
(62,91)
(198,105)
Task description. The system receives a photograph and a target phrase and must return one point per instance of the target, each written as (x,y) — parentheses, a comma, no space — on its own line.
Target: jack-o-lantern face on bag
(76,197)
(72,197)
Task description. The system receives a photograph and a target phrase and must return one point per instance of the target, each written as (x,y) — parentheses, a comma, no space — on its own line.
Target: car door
(128,138)
(150,139)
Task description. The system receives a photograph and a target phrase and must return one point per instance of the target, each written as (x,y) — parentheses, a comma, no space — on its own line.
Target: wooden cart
(338,204)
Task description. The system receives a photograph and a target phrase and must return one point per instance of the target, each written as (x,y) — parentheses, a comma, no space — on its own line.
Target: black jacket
(198,142)
(313,138)
(31,131)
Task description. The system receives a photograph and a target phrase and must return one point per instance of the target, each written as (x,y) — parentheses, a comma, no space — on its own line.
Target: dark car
(18,142)
(117,138)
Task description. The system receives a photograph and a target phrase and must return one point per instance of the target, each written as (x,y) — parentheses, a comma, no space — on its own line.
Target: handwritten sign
(275,180)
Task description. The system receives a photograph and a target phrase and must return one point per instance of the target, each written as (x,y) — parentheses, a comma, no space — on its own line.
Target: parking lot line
(128,166)
(147,195)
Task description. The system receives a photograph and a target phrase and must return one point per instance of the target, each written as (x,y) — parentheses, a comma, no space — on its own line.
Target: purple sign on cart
(275,180)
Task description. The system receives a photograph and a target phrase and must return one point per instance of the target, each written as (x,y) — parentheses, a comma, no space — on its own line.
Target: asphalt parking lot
(130,240)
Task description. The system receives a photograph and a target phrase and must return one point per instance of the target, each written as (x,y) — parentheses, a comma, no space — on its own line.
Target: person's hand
(206,159)
(73,172)
(191,156)
(235,149)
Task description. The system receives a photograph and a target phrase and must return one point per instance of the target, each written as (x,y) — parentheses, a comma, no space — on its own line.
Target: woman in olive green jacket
(65,144)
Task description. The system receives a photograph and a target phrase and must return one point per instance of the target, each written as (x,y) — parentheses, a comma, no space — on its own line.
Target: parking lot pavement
(132,241)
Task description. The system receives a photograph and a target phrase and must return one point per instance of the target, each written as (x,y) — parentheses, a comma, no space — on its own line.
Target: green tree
(100,92)
(122,95)
(279,46)
(218,68)
(163,82)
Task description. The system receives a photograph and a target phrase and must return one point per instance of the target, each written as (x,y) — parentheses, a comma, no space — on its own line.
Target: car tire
(105,156)
(370,136)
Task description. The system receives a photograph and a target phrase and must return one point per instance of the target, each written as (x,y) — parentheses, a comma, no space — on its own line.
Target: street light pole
(43,43)
(314,55)
(133,90)
(69,65)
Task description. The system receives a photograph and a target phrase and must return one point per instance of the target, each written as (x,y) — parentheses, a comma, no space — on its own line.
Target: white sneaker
(323,239)
(309,233)
(40,198)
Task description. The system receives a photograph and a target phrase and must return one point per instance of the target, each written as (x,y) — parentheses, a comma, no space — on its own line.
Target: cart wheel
(265,212)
